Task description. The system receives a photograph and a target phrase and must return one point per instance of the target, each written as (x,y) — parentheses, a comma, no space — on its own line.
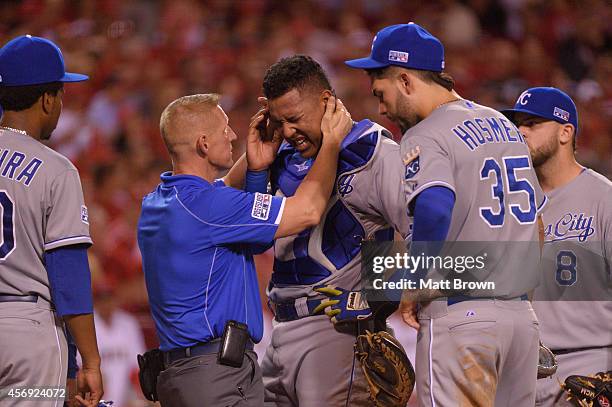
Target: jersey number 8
(512,185)
(566,274)
(7,225)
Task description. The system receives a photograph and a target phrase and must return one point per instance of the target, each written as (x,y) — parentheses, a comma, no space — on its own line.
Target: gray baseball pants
(477,353)
(33,353)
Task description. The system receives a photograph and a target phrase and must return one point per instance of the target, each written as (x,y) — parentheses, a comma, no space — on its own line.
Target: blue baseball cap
(406,45)
(548,103)
(28,60)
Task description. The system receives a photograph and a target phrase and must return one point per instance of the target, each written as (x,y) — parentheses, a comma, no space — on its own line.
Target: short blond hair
(183,110)
(189,104)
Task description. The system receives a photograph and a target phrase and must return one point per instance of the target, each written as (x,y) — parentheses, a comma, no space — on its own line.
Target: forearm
(306,207)
(235,177)
(84,334)
(317,187)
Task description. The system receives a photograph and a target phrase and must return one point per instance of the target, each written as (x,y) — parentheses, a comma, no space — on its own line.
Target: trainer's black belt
(18,298)
(566,351)
(204,348)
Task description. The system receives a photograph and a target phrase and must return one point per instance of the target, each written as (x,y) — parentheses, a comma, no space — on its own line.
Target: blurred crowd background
(141,55)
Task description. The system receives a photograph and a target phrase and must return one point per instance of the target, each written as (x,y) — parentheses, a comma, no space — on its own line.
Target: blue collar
(170,180)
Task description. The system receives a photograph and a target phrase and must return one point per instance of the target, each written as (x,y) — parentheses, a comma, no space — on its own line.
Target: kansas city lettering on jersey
(570,226)
(480,131)
(18,167)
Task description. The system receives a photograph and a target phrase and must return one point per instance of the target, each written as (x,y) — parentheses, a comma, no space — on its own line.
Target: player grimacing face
(298,114)
(219,142)
(541,135)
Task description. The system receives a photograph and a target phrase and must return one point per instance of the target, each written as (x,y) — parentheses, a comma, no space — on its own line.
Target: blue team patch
(344,184)
(411,162)
(261,206)
(84,214)
(412,168)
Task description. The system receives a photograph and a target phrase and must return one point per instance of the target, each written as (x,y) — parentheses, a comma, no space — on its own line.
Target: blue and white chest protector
(368,202)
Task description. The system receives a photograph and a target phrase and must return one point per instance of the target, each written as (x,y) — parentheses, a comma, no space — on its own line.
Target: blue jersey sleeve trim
(542,205)
(68,241)
(69,280)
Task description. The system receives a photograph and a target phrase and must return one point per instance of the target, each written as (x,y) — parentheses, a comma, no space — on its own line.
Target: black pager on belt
(233,344)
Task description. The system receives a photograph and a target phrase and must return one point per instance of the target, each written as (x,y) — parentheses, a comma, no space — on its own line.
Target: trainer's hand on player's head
(89,382)
(263,139)
(336,123)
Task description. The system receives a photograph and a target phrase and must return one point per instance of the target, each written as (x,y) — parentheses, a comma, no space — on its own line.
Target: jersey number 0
(7,223)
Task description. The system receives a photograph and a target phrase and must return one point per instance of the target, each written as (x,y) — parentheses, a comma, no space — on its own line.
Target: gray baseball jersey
(480,155)
(42,209)
(576,288)
(366,204)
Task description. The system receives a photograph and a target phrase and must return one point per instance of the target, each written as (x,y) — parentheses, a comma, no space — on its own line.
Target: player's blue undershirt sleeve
(69,280)
(73,367)
(432,211)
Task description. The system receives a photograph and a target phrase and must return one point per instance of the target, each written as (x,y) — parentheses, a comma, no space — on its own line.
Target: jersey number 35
(505,182)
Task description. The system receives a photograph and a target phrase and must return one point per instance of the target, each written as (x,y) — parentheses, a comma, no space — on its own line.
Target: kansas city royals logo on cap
(524,98)
(411,162)
(398,56)
(561,114)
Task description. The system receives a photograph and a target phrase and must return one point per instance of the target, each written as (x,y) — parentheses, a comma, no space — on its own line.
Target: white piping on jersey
(212,264)
(67,241)
(246,313)
(59,347)
(280,212)
(431,395)
(216,224)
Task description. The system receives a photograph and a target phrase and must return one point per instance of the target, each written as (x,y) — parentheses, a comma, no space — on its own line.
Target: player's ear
(566,133)
(325,95)
(405,82)
(202,146)
(47,101)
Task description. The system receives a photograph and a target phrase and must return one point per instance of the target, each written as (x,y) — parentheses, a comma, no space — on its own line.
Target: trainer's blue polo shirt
(197,240)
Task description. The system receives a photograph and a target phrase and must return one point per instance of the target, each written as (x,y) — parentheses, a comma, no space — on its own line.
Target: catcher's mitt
(590,391)
(547,363)
(387,369)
